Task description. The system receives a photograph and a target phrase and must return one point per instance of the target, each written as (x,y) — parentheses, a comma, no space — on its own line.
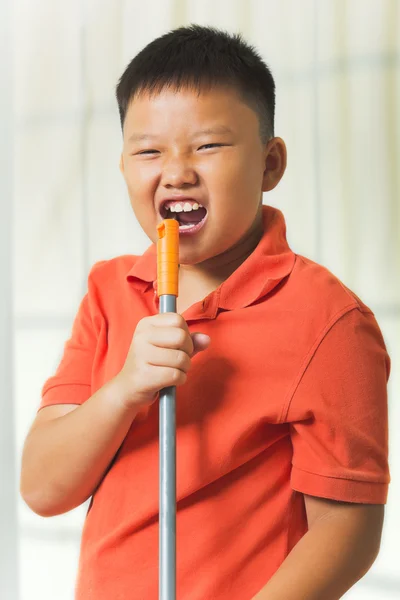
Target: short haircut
(198,57)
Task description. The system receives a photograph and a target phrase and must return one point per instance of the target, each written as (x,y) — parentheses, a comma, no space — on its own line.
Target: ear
(275,163)
(121,164)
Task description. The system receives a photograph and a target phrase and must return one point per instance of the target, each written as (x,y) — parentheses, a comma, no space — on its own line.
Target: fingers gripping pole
(167,290)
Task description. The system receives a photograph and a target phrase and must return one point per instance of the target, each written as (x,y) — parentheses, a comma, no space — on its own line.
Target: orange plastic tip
(167,257)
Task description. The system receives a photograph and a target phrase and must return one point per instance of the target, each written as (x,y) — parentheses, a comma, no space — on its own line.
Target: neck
(218,268)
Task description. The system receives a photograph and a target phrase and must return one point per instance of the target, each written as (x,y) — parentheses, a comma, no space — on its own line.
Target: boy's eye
(210,145)
(151,151)
(147,151)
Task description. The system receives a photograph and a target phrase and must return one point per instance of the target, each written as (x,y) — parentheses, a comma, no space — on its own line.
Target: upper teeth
(183,207)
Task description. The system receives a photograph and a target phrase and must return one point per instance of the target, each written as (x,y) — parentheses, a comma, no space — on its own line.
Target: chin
(190,256)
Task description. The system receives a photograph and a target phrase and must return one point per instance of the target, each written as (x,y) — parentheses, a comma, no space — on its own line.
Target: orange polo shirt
(290,398)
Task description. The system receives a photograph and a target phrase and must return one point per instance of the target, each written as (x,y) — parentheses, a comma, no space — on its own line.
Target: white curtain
(337,70)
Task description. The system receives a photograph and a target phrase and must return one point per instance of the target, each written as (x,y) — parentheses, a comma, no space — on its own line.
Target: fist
(159,356)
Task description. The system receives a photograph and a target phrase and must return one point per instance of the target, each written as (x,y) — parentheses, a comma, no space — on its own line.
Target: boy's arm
(339,548)
(64,459)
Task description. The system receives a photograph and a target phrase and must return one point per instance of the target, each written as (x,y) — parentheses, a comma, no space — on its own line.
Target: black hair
(201,57)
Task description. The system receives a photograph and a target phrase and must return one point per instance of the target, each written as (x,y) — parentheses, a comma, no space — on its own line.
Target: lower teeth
(186,226)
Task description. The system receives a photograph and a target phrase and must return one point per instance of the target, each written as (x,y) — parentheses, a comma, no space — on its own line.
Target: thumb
(201,341)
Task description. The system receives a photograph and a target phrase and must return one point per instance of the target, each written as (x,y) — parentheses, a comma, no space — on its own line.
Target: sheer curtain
(337,70)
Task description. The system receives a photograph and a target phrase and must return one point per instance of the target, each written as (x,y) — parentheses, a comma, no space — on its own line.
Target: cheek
(141,191)
(236,177)
(141,178)
(253,170)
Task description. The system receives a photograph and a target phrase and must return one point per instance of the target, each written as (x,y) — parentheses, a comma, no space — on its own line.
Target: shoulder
(116,267)
(318,287)
(317,302)
(344,320)
(107,283)
(109,277)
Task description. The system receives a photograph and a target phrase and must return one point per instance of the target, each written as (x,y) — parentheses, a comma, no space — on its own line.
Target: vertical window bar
(9,567)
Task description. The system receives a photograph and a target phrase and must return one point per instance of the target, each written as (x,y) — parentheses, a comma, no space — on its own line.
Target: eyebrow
(217,129)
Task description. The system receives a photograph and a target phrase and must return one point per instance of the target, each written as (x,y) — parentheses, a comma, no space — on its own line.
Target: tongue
(194,216)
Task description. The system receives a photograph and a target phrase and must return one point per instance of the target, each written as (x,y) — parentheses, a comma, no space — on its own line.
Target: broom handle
(167,290)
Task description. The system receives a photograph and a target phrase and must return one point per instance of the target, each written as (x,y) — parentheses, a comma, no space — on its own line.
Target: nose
(178,172)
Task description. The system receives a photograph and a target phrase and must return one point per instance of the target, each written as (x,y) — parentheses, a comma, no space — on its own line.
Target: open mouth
(189,221)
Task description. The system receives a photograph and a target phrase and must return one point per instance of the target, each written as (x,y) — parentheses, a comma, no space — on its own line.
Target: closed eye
(147,151)
(150,151)
(211,145)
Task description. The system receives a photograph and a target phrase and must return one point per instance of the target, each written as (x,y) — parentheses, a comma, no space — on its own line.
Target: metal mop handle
(167,290)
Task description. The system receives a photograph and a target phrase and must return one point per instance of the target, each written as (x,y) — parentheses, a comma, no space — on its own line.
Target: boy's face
(225,171)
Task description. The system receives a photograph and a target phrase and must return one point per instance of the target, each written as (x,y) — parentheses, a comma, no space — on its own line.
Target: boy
(282,471)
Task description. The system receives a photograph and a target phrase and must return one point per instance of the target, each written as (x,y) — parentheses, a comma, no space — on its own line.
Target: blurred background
(64,206)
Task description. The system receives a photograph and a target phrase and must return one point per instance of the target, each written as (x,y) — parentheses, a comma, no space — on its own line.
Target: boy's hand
(159,356)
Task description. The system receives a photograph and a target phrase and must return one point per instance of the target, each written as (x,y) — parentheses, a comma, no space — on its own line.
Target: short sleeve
(338,415)
(71,383)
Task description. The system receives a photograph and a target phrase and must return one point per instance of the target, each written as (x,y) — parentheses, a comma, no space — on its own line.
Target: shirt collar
(271,261)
